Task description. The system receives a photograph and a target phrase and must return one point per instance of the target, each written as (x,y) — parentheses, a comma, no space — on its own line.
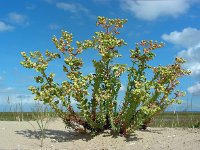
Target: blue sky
(30,25)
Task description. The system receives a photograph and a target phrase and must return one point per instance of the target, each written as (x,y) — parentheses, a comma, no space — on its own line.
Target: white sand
(21,136)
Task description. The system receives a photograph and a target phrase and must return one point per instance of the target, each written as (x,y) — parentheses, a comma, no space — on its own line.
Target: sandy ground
(21,136)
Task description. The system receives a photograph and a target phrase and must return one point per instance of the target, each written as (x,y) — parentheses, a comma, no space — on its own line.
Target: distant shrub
(144,97)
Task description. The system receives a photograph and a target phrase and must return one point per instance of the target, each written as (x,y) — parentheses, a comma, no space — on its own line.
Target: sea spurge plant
(145,96)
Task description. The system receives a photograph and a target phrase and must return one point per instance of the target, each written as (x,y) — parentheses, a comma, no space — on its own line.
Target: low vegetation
(165,119)
(145,97)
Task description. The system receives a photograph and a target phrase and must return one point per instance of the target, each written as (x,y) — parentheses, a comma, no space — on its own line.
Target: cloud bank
(5,27)
(72,7)
(194,89)
(151,10)
(17,18)
(6,90)
(189,39)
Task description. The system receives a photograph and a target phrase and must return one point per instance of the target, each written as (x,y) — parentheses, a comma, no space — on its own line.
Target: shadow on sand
(58,135)
(67,136)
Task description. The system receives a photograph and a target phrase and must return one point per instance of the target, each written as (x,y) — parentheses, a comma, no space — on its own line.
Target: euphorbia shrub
(144,98)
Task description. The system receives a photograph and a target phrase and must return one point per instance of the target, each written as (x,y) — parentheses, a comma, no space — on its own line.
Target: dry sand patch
(21,136)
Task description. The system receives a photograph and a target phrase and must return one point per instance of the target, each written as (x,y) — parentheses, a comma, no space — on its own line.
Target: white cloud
(102,1)
(67,7)
(151,10)
(187,38)
(49,1)
(192,55)
(25,98)
(17,18)
(54,26)
(6,90)
(195,89)
(72,7)
(30,7)
(5,27)
(1,78)
(16,98)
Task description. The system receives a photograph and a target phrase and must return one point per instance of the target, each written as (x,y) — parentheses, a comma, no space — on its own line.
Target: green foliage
(144,97)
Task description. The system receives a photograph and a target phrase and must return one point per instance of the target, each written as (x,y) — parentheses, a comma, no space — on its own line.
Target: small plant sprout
(42,115)
(144,97)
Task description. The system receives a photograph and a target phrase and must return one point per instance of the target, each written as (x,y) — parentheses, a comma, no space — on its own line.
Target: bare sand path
(21,136)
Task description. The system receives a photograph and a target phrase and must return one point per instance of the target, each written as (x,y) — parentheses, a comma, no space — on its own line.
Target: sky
(29,25)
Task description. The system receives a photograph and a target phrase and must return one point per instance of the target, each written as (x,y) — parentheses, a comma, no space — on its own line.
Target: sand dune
(21,136)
